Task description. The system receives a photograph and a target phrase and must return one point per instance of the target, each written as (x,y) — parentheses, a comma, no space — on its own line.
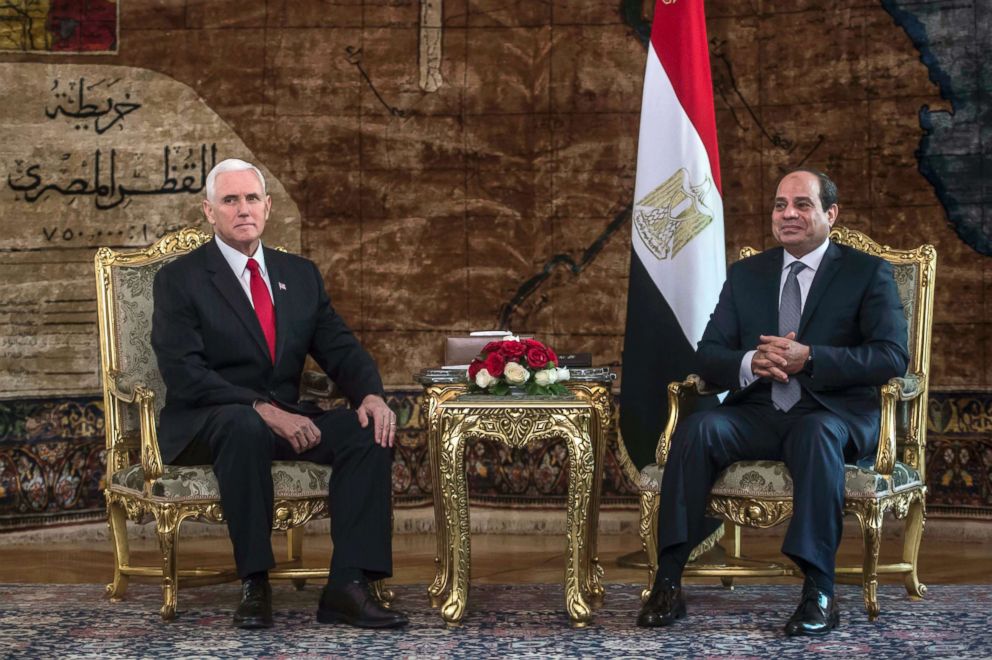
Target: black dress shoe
(816,615)
(255,608)
(665,604)
(353,604)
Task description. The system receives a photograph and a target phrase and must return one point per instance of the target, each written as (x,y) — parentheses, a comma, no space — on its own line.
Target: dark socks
(340,577)
(670,568)
(259,576)
(818,579)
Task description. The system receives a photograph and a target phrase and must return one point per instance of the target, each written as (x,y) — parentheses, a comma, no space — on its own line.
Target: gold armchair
(138,486)
(759,493)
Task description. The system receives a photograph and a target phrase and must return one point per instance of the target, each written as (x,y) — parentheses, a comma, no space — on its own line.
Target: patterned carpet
(53,621)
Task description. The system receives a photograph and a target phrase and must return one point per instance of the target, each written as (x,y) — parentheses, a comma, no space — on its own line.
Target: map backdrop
(433,212)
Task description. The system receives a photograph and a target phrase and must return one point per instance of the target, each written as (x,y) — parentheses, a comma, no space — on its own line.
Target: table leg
(581,465)
(454,496)
(442,567)
(594,585)
(434,396)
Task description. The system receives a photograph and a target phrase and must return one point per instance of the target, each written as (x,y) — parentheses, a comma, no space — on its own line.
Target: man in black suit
(233,323)
(802,335)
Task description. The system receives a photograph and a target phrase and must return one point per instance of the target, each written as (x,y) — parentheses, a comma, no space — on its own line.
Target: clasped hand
(779,357)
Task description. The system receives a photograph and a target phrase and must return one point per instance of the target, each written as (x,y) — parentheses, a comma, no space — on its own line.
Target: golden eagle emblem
(672,214)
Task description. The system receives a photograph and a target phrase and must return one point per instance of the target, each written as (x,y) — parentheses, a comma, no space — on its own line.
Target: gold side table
(582,422)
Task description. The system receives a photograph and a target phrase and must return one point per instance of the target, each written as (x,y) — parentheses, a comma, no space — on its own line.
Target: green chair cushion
(290,480)
(771,479)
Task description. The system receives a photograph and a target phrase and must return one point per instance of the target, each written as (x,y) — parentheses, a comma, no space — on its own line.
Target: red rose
(552,356)
(494,364)
(491,346)
(474,368)
(537,357)
(532,343)
(512,350)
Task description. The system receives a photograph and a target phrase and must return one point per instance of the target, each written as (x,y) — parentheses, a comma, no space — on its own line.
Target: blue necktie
(790,310)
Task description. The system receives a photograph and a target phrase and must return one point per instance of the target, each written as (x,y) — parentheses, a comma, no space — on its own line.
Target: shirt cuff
(746,375)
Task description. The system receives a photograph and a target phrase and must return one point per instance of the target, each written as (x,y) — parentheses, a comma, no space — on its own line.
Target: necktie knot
(795,267)
(253,266)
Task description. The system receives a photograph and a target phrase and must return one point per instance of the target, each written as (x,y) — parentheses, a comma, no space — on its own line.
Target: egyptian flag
(678,262)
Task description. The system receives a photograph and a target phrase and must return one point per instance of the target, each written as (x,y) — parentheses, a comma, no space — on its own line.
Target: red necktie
(263,307)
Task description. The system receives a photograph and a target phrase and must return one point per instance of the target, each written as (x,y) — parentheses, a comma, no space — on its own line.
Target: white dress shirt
(805,278)
(239,264)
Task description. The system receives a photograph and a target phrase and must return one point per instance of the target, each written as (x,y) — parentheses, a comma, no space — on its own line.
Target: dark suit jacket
(852,319)
(211,350)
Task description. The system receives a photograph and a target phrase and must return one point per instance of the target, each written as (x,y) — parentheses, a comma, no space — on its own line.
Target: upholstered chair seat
(771,479)
(182,483)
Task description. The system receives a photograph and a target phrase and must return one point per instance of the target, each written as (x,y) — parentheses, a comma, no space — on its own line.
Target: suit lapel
(766,290)
(829,267)
(280,295)
(229,287)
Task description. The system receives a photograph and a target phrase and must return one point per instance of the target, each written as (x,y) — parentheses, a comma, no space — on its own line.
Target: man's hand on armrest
(298,430)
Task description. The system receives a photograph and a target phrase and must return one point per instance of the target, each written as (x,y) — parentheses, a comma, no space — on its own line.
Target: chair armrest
(702,387)
(144,398)
(318,385)
(679,393)
(897,389)
(910,386)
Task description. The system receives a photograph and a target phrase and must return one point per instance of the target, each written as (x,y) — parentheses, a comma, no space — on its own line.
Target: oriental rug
(60,621)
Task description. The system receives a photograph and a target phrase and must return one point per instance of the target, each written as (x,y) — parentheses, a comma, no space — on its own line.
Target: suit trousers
(814,444)
(241,448)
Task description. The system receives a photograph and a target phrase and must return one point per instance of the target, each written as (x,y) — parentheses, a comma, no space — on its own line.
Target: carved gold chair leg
(870,518)
(915,521)
(167,522)
(649,535)
(382,593)
(734,553)
(294,552)
(117,521)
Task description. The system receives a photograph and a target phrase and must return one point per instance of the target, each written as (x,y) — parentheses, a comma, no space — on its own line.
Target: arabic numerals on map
(140,233)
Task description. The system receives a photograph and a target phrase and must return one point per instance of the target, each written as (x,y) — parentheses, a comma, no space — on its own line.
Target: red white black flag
(678,261)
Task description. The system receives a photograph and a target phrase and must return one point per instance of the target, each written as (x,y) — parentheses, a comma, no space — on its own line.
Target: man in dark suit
(233,323)
(802,335)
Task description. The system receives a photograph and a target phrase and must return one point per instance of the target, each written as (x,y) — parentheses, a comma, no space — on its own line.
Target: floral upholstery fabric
(132,334)
(771,479)
(906,277)
(290,480)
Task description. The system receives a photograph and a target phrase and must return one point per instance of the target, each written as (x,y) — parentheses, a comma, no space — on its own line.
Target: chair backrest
(914,271)
(124,316)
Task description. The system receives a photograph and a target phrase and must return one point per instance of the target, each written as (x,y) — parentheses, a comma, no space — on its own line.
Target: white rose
(563,374)
(545,377)
(483,379)
(515,374)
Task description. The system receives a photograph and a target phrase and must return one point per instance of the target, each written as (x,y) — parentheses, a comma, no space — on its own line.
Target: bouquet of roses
(515,362)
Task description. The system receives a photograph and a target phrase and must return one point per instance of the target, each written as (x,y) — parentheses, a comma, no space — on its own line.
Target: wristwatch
(808,365)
